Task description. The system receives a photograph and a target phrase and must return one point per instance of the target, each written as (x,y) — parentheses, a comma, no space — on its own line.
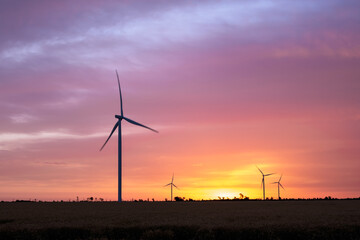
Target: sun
(226,194)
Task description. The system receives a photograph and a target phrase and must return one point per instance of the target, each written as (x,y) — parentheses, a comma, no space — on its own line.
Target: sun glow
(225,194)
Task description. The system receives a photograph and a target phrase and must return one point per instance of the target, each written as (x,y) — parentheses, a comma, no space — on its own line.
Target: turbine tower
(263,181)
(171,185)
(279,185)
(118,125)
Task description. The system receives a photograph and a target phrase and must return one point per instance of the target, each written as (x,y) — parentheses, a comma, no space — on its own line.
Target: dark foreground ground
(333,219)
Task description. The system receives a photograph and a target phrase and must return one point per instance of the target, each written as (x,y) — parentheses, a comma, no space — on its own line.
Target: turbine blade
(269,174)
(113,130)
(175,186)
(262,182)
(260,170)
(274,182)
(281,186)
(167,185)
(280,178)
(172,180)
(138,124)
(121,105)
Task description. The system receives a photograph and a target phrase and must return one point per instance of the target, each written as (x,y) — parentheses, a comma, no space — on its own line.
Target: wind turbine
(279,185)
(263,181)
(118,125)
(171,185)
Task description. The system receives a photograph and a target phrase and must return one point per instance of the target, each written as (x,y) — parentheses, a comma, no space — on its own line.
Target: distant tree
(179,199)
(153,199)
(241,196)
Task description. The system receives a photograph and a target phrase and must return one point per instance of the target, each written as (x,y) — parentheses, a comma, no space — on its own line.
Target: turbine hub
(119,117)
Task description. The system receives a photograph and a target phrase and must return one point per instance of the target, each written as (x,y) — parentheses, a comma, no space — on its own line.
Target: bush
(179,199)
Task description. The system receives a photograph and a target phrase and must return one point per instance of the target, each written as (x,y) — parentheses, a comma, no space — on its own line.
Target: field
(323,219)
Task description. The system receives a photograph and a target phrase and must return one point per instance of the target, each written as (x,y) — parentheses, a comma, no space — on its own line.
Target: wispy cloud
(60,164)
(127,39)
(22,118)
(12,140)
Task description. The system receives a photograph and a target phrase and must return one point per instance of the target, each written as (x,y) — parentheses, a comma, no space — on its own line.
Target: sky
(229,85)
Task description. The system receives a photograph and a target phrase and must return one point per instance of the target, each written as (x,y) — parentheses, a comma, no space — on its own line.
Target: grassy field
(333,219)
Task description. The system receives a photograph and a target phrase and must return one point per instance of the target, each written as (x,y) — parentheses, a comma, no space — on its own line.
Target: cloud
(9,137)
(22,118)
(60,164)
(127,39)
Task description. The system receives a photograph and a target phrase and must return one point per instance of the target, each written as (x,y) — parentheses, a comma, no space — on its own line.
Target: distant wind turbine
(263,180)
(118,125)
(279,185)
(171,185)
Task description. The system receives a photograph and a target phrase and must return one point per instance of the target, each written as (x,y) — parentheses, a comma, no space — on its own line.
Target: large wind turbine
(171,185)
(118,125)
(263,181)
(279,185)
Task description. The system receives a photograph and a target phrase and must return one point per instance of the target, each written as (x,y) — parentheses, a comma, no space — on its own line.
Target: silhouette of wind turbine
(118,125)
(171,185)
(279,185)
(263,180)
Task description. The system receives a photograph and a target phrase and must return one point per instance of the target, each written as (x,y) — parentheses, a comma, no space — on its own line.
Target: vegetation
(326,219)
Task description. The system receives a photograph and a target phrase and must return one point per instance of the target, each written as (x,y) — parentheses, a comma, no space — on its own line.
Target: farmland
(323,219)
